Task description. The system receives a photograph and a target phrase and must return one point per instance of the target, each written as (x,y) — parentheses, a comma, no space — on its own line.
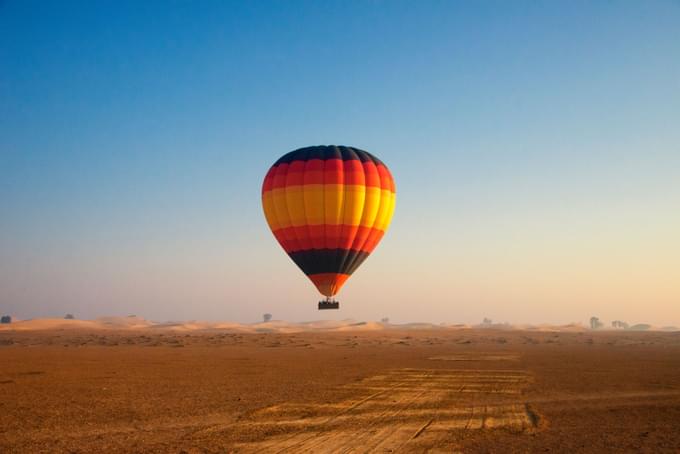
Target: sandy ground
(90,388)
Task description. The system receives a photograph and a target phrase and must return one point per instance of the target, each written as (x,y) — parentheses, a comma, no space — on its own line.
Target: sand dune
(274,326)
(38,324)
(138,323)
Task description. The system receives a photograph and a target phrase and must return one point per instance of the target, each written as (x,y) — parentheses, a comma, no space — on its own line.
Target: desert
(128,385)
(339,226)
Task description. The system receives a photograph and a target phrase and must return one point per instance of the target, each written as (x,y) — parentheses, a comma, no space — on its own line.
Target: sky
(535,147)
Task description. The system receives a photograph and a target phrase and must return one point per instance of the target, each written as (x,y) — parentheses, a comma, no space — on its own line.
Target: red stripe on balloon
(294,239)
(330,171)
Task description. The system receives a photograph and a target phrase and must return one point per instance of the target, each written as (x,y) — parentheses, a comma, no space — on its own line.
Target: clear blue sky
(535,146)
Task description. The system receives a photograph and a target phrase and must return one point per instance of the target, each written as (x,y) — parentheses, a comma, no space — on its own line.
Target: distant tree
(487,321)
(385,320)
(618,324)
(595,323)
(69,317)
(6,319)
(266,317)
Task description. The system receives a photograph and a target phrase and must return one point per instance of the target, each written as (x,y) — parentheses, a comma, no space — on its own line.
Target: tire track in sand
(403,409)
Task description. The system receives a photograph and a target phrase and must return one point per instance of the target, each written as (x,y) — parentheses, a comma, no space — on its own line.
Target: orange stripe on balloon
(329,284)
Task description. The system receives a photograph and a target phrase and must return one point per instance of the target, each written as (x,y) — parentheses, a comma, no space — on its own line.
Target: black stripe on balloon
(354,260)
(325,152)
(317,261)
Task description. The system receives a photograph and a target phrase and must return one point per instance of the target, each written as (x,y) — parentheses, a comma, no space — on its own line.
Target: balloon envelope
(328,207)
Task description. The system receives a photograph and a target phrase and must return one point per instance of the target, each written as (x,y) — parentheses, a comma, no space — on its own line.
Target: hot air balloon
(328,207)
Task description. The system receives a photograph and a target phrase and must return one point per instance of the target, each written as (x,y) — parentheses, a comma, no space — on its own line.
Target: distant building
(595,323)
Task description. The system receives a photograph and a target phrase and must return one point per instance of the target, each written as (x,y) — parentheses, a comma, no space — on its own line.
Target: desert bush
(640,327)
(6,319)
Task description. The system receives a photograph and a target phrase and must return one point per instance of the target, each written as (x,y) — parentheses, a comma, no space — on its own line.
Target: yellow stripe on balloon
(371,206)
(354,204)
(317,204)
(281,207)
(314,203)
(386,209)
(334,198)
(295,203)
(270,211)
